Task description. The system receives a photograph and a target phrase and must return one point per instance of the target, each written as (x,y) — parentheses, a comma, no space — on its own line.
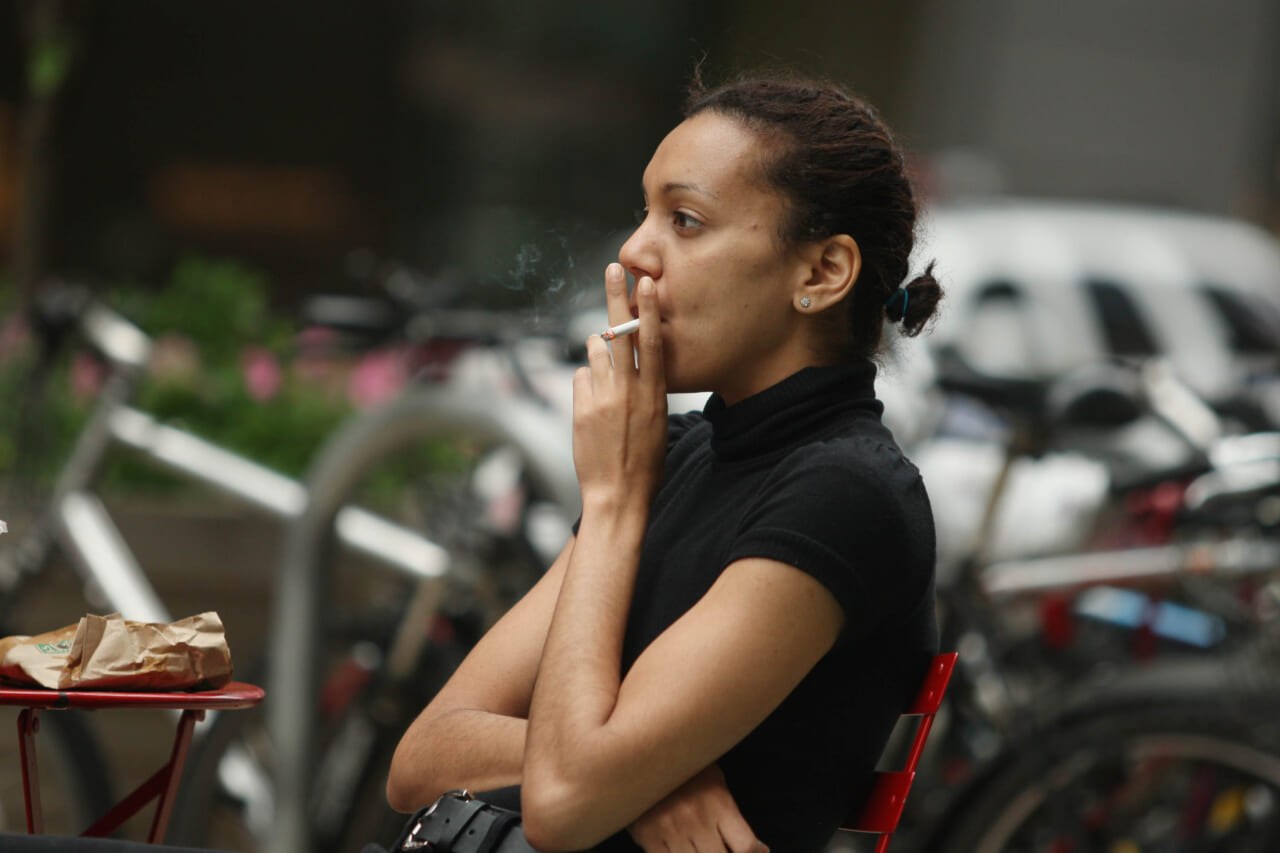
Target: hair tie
(888,304)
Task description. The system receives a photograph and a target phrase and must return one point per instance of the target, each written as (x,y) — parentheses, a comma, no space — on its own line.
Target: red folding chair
(882,810)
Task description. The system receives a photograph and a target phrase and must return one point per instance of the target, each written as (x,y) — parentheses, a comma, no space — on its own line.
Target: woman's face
(709,240)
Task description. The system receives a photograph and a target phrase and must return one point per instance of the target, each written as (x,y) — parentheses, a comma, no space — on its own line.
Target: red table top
(234,694)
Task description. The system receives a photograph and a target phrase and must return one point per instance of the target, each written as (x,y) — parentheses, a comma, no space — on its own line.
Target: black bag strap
(457,823)
(444,827)
(499,829)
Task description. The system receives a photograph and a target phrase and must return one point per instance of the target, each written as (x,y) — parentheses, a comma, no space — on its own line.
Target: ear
(834,265)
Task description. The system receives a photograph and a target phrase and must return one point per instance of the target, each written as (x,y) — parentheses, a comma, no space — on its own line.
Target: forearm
(566,754)
(575,751)
(457,748)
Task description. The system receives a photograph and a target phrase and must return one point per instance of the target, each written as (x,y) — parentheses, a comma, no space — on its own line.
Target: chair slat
(883,807)
(929,699)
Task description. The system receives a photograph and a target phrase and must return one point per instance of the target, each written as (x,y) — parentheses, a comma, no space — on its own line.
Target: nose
(639,254)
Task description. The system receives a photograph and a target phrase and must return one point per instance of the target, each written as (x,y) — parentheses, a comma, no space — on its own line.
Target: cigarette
(620,330)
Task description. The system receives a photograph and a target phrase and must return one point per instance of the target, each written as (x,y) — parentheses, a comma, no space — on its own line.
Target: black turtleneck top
(806,474)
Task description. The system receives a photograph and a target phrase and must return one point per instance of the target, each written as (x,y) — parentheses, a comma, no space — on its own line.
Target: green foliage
(203,325)
(219,305)
(41,419)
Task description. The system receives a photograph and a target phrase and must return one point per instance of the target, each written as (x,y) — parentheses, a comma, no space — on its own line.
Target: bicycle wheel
(75,788)
(1161,777)
(447,468)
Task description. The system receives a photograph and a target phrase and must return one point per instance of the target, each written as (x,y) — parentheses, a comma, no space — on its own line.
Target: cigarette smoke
(563,269)
(542,269)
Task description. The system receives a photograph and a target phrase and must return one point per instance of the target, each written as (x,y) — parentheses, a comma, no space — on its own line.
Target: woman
(716,658)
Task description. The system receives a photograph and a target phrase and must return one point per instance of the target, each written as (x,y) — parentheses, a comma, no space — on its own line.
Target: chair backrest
(882,810)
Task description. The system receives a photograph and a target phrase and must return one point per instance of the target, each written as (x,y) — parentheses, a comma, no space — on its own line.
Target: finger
(581,389)
(651,845)
(615,286)
(698,830)
(615,290)
(738,836)
(649,344)
(598,359)
(647,839)
(708,842)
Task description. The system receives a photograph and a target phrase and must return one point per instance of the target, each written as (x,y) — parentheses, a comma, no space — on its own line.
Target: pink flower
(15,337)
(319,359)
(175,360)
(87,374)
(262,374)
(378,377)
(318,342)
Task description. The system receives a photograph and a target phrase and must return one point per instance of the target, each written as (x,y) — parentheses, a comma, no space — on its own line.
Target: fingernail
(614,270)
(646,286)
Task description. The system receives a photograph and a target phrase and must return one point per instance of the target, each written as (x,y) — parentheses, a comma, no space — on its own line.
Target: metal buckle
(415,843)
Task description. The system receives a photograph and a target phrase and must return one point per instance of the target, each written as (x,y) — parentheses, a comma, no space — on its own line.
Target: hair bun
(923,293)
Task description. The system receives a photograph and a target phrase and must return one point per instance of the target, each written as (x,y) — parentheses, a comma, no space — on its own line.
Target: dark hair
(836,164)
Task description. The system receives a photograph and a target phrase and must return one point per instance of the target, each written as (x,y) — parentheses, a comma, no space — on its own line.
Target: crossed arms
(541,701)
(593,753)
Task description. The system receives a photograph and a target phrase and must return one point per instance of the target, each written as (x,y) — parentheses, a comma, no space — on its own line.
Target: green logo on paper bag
(59,648)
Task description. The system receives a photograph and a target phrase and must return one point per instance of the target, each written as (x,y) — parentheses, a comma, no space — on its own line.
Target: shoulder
(683,424)
(846,488)
(853,512)
(867,464)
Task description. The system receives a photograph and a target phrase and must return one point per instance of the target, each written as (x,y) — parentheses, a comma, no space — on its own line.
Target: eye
(683,220)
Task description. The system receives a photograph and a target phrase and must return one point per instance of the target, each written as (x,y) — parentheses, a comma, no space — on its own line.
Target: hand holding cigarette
(620,402)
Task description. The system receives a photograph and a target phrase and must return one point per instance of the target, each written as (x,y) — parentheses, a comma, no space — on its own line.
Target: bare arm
(472,735)
(595,764)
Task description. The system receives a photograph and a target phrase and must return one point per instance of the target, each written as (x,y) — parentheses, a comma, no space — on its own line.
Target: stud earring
(805,302)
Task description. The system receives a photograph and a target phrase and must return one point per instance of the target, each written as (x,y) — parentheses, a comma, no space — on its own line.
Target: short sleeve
(856,519)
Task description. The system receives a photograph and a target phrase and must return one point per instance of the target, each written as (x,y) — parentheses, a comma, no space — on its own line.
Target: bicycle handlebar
(60,307)
(121,342)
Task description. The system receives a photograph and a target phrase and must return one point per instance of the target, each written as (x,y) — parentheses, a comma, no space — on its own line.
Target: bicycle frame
(1240,468)
(537,430)
(78,520)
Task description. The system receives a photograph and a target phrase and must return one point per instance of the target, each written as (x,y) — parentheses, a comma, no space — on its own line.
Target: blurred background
(458,134)
(1101,182)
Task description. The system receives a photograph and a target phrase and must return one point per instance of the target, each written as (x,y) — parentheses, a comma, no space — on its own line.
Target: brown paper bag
(110,653)
(35,661)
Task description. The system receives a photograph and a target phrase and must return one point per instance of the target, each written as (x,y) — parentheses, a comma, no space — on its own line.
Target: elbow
(398,797)
(400,794)
(408,788)
(557,816)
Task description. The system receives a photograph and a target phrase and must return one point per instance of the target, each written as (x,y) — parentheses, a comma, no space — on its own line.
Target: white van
(1035,289)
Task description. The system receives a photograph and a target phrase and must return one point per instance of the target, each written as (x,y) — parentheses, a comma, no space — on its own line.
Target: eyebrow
(676,186)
